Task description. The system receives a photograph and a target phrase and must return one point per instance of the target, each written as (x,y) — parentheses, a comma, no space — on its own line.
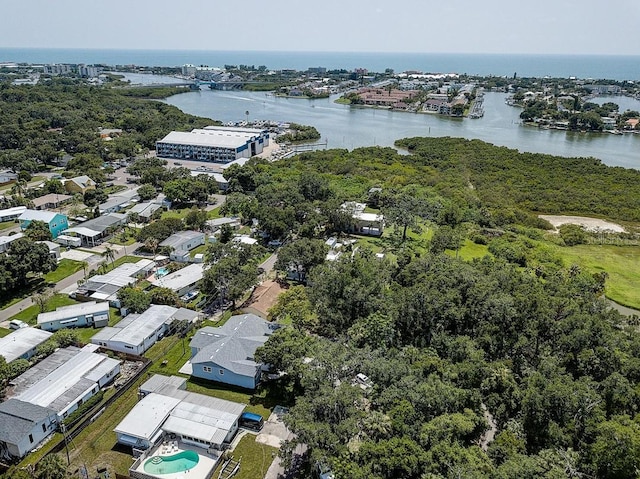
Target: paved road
(269,263)
(14,309)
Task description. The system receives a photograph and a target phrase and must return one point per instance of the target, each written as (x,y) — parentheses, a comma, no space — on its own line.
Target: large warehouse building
(216,144)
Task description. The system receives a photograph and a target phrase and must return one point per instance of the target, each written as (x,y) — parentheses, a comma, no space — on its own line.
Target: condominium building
(216,144)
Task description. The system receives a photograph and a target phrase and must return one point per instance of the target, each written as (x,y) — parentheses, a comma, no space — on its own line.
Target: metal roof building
(138,332)
(22,343)
(181,281)
(77,315)
(195,418)
(213,144)
(104,287)
(69,382)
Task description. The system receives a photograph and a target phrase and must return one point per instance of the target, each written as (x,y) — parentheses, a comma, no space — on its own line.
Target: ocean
(613,67)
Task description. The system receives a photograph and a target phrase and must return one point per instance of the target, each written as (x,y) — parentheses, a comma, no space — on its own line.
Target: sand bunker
(590,224)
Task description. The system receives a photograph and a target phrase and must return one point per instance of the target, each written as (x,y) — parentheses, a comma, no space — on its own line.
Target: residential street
(72,280)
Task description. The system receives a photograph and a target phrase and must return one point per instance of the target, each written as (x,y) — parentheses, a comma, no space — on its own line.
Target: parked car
(17,324)
(251,421)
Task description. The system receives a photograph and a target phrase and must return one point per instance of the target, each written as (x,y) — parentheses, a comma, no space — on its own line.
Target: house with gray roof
(23,426)
(182,243)
(145,211)
(93,231)
(66,379)
(5,241)
(225,354)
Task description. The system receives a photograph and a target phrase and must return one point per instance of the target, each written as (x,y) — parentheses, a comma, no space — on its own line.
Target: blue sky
(443,26)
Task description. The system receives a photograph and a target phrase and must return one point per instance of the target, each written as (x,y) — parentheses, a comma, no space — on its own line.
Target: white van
(17,324)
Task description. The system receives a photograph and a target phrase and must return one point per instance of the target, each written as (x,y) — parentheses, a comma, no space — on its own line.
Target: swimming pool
(162,272)
(183,461)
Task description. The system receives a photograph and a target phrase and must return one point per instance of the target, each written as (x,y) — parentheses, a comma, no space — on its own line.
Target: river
(343,126)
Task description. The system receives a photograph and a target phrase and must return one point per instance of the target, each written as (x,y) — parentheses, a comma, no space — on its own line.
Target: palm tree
(151,244)
(19,188)
(109,254)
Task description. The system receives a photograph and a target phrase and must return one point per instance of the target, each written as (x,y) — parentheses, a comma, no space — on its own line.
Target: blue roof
(250,416)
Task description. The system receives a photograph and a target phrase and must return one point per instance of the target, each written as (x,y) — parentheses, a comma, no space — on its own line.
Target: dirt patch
(263,297)
(590,224)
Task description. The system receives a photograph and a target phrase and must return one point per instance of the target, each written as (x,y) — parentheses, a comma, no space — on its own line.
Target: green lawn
(255,458)
(179,213)
(66,267)
(4,332)
(621,263)
(214,213)
(125,238)
(200,249)
(30,314)
(5,225)
(85,334)
(470,251)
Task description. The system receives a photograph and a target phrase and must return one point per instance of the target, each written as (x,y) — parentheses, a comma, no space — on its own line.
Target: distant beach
(614,67)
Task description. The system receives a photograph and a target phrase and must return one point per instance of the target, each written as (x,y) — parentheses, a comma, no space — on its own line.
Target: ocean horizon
(611,67)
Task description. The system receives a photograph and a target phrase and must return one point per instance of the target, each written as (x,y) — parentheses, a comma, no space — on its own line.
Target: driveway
(274,430)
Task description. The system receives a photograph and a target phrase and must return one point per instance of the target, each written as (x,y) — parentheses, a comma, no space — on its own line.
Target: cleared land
(263,297)
(590,224)
(621,263)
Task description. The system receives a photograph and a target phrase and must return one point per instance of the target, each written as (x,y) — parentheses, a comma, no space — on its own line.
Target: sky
(443,26)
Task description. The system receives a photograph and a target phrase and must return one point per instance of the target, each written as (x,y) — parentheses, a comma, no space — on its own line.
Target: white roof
(369,217)
(202,422)
(14,345)
(213,138)
(73,311)
(10,239)
(147,416)
(138,327)
(37,215)
(181,278)
(122,275)
(244,239)
(82,231)
(59,381)
(16,210)
(176,239)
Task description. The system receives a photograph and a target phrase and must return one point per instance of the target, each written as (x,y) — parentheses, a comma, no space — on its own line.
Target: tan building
(79,184)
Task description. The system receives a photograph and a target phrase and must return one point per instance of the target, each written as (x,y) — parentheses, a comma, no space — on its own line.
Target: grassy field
(255,458)
(85,334)
(5,225)
(30,314)
(621,263)
(66,267)
(469,251)
(214,213)
(4,332)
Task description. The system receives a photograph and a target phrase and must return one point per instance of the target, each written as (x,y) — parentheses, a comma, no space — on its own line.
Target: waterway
(344,126)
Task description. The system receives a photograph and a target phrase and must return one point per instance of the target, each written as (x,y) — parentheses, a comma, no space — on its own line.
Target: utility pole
(63,427)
